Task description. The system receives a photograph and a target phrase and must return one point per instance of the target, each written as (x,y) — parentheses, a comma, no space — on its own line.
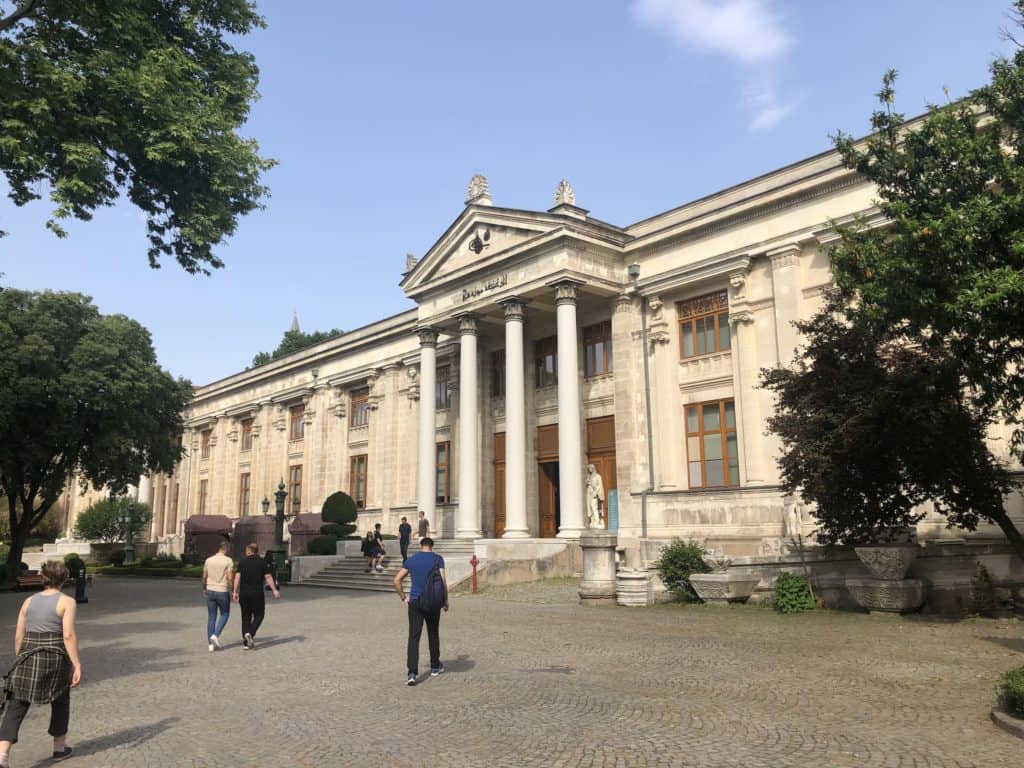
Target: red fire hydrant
(473,561)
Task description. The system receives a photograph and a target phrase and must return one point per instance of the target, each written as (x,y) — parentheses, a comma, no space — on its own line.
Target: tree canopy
(80,392)
(921,348)
(136,97)
(294,341)
(102,521)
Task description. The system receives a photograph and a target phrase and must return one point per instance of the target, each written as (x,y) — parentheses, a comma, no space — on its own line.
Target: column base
(477,534)
(569,533)
(518,533)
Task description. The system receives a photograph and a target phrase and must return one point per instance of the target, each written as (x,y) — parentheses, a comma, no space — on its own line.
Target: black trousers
(253,607)
(417,618)
(404,544)
(60,714)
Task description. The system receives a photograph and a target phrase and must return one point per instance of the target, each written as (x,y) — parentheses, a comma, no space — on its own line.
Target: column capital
(786,256)
(623,302)
(741,317)
(427,335)
(566,291)
(468,324)
(514,308)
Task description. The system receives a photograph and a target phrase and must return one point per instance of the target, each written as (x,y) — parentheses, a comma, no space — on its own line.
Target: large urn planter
(887,561)
(723,588)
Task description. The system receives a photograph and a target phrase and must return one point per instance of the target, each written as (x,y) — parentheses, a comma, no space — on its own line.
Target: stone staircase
(350,572)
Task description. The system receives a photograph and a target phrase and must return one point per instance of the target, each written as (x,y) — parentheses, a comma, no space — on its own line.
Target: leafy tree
(294,341)
(873,426)
(80,392)
(102,520)
(140,97)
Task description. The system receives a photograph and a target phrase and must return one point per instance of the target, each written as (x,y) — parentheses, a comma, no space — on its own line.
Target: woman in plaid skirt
(47,665)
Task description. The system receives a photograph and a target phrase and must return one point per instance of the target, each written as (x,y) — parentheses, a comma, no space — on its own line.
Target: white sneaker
(215,641)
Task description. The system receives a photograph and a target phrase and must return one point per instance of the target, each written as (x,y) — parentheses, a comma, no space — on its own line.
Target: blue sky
(379,113)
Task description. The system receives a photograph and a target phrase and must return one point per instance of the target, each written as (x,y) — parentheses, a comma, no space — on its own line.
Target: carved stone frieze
(887,595)
(413,392)
(738,284)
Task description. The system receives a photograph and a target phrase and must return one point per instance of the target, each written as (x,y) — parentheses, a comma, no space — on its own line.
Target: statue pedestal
(598,584)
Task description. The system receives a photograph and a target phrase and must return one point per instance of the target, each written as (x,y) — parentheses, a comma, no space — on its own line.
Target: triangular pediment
(477,238)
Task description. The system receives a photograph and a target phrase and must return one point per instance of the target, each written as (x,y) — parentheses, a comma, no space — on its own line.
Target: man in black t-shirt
(250,577)
(404,534)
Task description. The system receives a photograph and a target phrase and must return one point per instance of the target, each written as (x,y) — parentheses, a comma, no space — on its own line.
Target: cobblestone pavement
(532,679)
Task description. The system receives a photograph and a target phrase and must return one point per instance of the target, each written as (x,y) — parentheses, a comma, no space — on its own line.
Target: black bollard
(80,587)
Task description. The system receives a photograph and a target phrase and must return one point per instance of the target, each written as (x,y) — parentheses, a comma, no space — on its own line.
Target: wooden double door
(600,453)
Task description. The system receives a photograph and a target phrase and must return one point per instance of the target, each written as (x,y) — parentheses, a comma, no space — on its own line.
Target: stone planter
(723,588)
(892,596)
(890,561)
(633,588)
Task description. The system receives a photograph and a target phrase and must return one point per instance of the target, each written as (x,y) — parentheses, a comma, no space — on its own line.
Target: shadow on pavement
(126,737)
(1013,643)
(106,662)
(461,663)
(270,642)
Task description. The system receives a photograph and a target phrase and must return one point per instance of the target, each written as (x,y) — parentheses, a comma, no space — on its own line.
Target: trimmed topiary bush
(1011,692)
(322,545)
(678,560)
(74,563)
(792,594)
(117,557)
(337,530)
(340,509)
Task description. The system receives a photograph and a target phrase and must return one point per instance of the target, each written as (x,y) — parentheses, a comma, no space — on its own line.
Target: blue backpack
(434,594)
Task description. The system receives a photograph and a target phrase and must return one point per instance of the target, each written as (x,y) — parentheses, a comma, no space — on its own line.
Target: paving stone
(533,679)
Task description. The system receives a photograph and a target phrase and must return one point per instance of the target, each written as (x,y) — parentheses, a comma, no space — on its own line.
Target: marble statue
(595,498)
(792,524)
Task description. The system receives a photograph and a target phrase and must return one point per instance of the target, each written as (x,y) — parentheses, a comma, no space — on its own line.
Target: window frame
(443,388)
(244,493)
(358,470)
(542,350)
(296,422)
(245,428)
(723,431)
(594,335)
(204,490)
(498,373)
(295,487)
(690,311)
(359,404)
(446,467)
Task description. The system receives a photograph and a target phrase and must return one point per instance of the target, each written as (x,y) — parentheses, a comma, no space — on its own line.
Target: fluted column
(467,522)
(515,424)
(570,449)
(426,495)
(786,299)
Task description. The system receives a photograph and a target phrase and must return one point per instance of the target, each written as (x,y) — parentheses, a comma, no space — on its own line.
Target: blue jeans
(217,601)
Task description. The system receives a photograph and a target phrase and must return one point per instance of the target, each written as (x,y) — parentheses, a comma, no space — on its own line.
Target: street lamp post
(279,517)
(127,520)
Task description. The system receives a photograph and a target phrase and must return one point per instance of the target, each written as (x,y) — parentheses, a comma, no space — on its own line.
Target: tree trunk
(1014,536)
(14,559)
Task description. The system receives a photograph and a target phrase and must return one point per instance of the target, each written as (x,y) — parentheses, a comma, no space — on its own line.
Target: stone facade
(498,365)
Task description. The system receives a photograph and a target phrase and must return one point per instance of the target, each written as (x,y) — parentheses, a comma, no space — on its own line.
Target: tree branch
(26,9)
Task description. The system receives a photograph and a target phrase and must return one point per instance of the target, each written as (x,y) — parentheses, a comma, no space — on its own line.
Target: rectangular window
(203,485)
(243,494)
(498,373)
(295,487)
(443,388)
(357,481)
(246,434)
(711,449)
(174,502)
(597,349)
(204,443)
(704,325)
(297,427)
(443,484)
(545,352)
(360,402)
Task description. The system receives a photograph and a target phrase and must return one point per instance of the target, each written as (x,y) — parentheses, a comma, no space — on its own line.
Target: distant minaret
(295,322)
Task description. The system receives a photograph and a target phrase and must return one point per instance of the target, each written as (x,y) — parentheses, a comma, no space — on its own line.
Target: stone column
(467,519)
(786,292)
(426,495)
(516,526)
(598,583)
(747,397)
(570,450)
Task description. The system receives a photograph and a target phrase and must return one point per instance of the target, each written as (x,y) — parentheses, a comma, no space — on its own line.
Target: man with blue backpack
(428,596)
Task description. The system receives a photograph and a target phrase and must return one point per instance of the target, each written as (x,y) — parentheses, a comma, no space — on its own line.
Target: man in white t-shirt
(218,575)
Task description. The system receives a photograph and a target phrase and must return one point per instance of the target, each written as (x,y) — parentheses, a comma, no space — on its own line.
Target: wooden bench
(30,581)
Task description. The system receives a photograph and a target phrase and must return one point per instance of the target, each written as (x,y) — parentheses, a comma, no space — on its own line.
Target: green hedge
(1011,692)
(322,545)
(191,571)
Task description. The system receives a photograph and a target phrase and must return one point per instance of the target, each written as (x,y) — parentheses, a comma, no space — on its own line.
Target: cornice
(715,266)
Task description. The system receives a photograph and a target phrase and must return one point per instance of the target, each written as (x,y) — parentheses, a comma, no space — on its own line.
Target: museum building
(543,342)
